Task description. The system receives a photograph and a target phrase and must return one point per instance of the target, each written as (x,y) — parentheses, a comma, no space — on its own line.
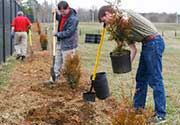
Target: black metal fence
(8,10)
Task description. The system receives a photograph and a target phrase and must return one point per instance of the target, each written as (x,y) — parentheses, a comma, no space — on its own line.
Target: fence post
(15,7)
(162,33)
(11,42)
(4,47)
(175,33)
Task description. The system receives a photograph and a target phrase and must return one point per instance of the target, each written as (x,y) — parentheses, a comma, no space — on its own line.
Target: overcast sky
(169,6)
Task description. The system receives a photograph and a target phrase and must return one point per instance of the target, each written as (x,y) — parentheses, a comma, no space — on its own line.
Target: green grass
(171,67)
(5,70)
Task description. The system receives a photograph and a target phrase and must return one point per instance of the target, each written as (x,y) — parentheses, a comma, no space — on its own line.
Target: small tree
(72,70)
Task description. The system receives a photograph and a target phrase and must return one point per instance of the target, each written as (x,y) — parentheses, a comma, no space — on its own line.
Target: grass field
(171,67)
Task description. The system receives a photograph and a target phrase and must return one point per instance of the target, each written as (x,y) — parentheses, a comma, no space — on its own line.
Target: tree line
(42,13)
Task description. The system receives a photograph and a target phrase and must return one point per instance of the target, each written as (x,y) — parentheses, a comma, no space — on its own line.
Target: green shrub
(72,70)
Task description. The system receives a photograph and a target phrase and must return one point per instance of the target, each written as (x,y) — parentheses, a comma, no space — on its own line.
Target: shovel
(30,42)
(90,96)
(54,48)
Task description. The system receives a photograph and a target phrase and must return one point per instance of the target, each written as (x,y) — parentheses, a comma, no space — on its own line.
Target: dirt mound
(60,112)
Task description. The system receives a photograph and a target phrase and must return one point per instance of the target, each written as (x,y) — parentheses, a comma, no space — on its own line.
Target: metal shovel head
(89,97)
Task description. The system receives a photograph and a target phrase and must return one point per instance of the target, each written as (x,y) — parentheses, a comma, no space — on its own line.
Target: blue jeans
(150,73)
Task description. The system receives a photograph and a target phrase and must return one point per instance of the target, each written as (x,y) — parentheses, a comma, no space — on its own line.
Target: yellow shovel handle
(54,29)
(98,53)
(30,37)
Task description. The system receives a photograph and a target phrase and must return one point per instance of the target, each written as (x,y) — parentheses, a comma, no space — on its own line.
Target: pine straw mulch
(27,100)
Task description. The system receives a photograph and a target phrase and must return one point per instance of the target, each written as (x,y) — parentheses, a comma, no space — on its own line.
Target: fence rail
(8,10)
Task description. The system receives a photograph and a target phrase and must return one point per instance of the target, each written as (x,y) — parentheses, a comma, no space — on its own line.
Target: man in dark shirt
(67,36)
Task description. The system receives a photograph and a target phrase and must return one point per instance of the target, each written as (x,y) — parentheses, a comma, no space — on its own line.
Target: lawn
(171,66)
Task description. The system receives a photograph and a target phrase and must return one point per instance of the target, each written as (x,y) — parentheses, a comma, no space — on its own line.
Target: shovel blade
(89,97)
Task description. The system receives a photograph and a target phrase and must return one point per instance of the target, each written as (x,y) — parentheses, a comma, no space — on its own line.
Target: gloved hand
(55,10)
(12,34)
(54,33)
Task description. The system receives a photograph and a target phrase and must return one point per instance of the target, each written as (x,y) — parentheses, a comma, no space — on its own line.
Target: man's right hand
(54,33)
(54,10)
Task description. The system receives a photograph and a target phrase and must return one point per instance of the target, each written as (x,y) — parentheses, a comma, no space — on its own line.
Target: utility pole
(92,11)
(92,15)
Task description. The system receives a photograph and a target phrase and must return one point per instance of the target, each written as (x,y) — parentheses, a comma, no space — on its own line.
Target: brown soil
(27,100)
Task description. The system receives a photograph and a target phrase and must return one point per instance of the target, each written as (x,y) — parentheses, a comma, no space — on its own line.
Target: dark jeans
(150,73)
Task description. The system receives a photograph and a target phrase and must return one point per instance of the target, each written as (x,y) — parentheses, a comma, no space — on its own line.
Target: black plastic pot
(92,38)
(98,38)
(121,63)
(101,85)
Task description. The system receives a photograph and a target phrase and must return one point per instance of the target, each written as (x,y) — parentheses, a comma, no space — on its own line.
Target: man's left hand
(12,34)
(54,33)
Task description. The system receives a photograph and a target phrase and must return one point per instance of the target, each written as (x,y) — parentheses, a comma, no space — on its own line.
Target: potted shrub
(120,31)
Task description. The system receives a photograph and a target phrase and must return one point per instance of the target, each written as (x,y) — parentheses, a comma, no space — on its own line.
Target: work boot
(159,120)
(51,81)
(18,56)
(155,119)
(23,58)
